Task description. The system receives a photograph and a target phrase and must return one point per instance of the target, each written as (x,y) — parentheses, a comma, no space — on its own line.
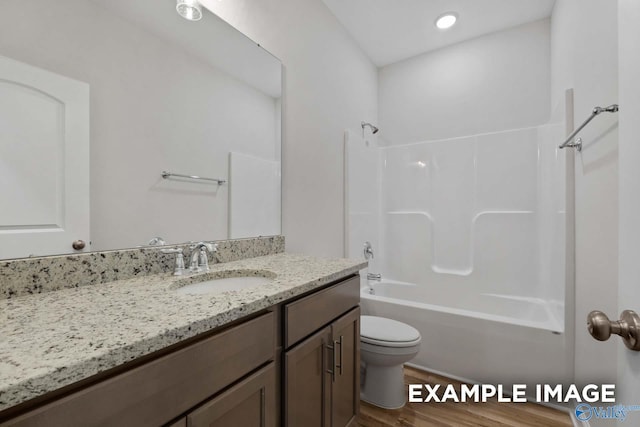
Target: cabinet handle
(263,410)
(333,353)
(341,353)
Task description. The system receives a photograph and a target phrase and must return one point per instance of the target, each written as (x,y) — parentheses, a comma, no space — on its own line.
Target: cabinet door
(345,334)
(250,403)
(307,382)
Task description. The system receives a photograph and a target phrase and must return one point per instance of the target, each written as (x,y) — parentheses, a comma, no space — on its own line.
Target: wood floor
(451,414)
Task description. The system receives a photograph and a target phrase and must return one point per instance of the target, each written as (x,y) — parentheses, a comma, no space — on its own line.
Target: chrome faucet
(199,259)
(374,276)
(368,251)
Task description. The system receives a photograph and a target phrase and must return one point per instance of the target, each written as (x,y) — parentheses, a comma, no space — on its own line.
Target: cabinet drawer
(154,393)
(308,314)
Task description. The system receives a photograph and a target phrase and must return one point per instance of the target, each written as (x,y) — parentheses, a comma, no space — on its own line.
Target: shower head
(374,129)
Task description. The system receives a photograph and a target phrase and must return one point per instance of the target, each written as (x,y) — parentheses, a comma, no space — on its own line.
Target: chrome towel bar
(613,108)
(166,175)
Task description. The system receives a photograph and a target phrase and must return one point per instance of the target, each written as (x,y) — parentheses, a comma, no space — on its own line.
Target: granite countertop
(54,339)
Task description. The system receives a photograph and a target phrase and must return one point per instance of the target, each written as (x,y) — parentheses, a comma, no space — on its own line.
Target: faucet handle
(203,260)
(179,266)
(368,250)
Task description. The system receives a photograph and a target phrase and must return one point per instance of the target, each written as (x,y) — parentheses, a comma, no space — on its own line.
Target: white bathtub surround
(470,236)
(478,213)
(478,217)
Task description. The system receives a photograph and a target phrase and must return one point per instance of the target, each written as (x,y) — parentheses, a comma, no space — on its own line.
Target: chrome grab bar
(166,175)
(613,108)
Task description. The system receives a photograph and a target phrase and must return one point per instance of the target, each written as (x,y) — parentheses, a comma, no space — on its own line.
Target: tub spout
(373,276)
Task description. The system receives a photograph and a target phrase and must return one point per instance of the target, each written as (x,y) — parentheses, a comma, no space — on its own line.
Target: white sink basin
(223,285)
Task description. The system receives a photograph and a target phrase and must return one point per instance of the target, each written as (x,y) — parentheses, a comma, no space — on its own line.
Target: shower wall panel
(483,212)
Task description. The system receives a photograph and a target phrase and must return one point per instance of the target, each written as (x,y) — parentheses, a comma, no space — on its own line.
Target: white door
(44,161)
(629,157)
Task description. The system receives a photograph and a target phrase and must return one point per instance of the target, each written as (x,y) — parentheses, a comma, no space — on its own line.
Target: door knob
(628,327)
(78,245)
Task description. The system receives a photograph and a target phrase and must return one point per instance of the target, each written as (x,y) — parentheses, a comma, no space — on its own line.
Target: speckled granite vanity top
(53,339)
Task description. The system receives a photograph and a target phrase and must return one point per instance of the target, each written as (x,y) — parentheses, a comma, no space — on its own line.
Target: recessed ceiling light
(189,9)
(446,20)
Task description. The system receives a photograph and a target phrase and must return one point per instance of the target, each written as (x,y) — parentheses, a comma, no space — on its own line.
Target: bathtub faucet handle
(368,251)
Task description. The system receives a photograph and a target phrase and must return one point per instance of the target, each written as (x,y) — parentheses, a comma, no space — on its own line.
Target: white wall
(153,107)
(584,56)
(491,83)
(629,293)
(330,85)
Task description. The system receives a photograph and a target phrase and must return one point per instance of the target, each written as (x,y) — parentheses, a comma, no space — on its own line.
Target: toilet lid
(391,333)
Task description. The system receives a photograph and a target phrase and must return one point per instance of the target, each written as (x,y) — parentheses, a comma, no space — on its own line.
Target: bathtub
(486,338)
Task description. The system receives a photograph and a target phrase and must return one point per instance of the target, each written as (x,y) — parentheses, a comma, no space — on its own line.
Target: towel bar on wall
(167,175)
(613,108)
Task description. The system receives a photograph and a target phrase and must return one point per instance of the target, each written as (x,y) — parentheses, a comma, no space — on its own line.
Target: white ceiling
(392,30)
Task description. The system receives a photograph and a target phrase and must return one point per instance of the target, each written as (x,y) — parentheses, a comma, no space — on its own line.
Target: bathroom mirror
(99,97)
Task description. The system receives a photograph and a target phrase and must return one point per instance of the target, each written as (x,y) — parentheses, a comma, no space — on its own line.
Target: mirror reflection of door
(44,161)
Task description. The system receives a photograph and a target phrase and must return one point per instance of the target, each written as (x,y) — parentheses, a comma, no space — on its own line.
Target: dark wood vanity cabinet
(296,364)
(159,391)
(322,371)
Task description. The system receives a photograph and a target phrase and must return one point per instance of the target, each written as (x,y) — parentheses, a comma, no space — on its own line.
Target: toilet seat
(385,332)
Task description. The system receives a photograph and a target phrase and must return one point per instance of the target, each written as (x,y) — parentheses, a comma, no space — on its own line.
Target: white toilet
(385,345)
